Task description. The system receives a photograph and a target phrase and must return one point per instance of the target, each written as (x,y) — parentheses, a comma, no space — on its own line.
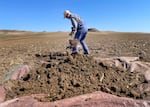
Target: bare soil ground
(63,75)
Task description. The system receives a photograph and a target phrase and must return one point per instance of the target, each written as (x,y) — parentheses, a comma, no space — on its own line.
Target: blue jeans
(80,36)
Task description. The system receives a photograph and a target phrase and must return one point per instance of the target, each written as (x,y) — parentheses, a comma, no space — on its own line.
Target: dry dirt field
(63,75)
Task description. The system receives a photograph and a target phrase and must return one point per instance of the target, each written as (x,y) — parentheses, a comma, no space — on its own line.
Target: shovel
(72,42)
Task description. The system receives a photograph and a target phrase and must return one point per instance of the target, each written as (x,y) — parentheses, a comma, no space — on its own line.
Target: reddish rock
(18,72)
(2,94)
(96,99)
(127,63)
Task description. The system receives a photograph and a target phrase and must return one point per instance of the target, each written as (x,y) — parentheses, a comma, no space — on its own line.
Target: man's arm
(74,26)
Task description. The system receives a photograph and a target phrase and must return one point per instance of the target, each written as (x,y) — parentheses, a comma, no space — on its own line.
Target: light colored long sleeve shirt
(76,21)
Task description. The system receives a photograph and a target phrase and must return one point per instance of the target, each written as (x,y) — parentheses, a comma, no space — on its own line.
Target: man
(81,30)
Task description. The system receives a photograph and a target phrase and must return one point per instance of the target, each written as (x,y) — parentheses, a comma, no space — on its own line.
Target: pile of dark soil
(61,75)
(93,30)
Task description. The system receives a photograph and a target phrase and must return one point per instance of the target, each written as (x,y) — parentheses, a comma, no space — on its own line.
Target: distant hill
(5,31)
(93,30)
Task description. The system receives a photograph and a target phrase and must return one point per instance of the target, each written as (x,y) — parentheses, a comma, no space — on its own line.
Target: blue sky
(47,15)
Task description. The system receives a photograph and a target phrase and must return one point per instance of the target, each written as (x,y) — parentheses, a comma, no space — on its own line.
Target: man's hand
(71,33)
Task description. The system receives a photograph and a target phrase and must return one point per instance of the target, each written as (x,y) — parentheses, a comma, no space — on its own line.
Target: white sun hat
(66,12)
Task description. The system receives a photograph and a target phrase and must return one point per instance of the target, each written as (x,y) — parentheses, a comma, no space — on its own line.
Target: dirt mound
(93,30)
(61,75)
